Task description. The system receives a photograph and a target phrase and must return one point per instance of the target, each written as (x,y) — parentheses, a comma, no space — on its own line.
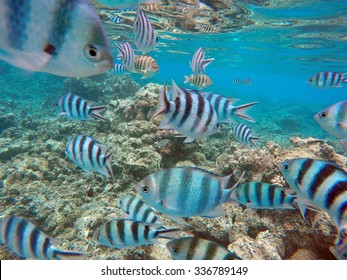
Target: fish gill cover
(287,58)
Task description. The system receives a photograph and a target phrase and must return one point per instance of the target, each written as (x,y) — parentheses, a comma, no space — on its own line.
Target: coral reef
(41,184)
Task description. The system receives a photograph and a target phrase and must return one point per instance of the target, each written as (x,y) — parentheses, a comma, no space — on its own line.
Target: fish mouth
(316,117)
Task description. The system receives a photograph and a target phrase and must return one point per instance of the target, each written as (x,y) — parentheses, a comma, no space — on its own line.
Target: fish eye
(286,167)
(92,53)
(145,189)
(175,250)
(323,115)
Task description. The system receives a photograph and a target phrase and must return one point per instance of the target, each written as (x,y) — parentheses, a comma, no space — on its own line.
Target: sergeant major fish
(119,69)
(138,210)
(260,195)
(145,37)
(201,81)
(190,114)
(199,63)
(76,108)
(187,192)
(319,184)
(340,248)
(333,119)
(146,65)
(328,79)
(244,134)
(27,241)
(193,248)
(123,233)
(90,155)
(64,38)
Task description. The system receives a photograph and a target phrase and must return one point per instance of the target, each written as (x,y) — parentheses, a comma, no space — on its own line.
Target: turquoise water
(278,46)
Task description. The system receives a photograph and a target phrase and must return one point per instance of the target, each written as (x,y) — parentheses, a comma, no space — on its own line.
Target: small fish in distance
(327,79)
(199,63)
(201,81)
(243,134)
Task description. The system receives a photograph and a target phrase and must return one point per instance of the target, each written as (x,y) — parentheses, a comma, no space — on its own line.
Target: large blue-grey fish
(333,120)
(327,79)
(187,192)
(145,37)
(123,233)
(244,134)
(259,195)
(77,108)
(318,184)
(127,55)
(138,210)
(199,63)
(188,113)
(224,106)
(27,241)
(90,155)
(193,248)
(61,37)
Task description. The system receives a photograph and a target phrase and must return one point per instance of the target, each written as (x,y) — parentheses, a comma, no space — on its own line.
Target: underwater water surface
(275,45)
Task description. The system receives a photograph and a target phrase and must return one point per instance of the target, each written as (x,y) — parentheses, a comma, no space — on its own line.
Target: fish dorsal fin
(176,91)
(163,103)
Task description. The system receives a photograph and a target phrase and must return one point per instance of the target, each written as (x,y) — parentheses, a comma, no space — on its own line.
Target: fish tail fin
(231,186)
(241,111)
(344,77)
(163,103)
(170,233)
(254,143)
(107,164)
(206,62)
(97,111)
(68,255)
(186,79)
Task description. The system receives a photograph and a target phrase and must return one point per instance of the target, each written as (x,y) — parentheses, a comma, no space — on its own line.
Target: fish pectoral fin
(27,60)
(216,212)
(179,220)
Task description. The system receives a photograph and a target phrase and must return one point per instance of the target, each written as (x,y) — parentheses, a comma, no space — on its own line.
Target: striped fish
(243,134)
(125,10)
(145,36)
(207,29)
(245,81)
(187,192)
(123,233)
(193,248)
(146,66)
(201,81)
(190,114)
(27,241)
(319,185)
(126,54)
(333,120)
(328,79)
(199,63)
(260,195)
(340,248)
(64,38)
(90,155)
(116,19)
(119,69)
(225,108)
(77,108)
(138,210)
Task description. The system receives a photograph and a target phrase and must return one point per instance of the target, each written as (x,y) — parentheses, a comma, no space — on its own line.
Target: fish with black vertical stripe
(124,233)
(119,69)
(200,81)
(199,63)
(193,248)
(327,79)
(188,113)
(145,37)
(127,55)
(27,241)
(138,210)
(64,38)
(340,248)
(187,192)
(76,108)
(90,155)
(318,185)
(243,134)
(259,195)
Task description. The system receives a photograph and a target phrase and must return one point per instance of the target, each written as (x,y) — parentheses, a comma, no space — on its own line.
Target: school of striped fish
(178,192)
